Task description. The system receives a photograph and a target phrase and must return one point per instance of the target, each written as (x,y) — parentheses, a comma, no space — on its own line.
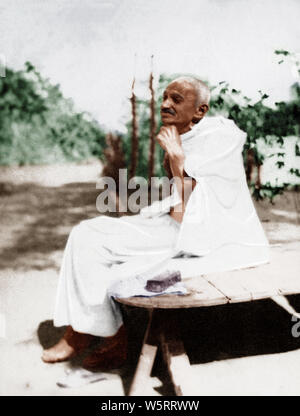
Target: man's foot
(71,344)
(111,354)
(62,351)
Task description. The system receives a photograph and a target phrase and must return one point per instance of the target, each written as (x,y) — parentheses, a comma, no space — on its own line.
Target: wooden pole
(134,135)
(152,126)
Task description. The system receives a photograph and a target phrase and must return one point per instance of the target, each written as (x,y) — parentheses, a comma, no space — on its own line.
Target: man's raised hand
(168,138)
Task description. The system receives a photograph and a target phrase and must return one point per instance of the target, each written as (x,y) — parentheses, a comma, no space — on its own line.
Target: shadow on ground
(238,330)
(209,334)
(38,220)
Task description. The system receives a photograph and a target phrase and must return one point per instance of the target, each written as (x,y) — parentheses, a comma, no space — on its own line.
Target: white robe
(220,223)
(220,228)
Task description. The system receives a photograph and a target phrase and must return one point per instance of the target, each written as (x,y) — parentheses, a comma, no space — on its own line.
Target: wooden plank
(290,285)
(286,268)
(279,277)
(260,282)
(146,360)
(204,293)
(275,278)
(174,354)
(229,284)
(178,364)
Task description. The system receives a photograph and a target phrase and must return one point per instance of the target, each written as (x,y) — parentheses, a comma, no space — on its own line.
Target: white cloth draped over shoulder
(220,224)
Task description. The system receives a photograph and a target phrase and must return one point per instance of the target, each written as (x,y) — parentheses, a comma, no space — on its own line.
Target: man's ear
(200,113)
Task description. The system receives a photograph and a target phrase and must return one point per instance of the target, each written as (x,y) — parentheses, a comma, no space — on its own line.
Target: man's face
(179,105)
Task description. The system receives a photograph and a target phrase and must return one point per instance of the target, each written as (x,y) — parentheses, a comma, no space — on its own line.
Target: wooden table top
(265,281)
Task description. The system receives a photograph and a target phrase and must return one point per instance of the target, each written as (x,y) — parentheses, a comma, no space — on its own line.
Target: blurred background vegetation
(39,126)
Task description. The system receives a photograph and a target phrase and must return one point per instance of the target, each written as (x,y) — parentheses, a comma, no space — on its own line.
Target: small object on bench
(137,285)
(162,281)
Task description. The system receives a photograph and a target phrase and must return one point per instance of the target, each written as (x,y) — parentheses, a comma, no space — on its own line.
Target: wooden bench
(216,289)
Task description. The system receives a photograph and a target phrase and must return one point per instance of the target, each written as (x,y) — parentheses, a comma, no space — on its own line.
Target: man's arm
(166,165)
(169,139)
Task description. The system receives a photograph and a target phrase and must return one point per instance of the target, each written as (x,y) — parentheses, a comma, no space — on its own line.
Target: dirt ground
(234,349)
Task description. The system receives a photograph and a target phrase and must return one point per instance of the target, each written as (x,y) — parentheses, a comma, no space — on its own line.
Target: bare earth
(236,349)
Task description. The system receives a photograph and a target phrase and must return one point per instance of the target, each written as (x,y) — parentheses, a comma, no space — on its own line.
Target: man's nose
(166,103)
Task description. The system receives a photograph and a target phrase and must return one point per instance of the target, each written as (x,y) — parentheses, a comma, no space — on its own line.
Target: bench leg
(146,360)
(174,354)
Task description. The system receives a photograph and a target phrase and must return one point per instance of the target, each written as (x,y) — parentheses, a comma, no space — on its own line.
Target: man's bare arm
(169,140)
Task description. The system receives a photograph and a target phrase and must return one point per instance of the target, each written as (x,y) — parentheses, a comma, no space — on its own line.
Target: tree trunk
(258,177)
(249,165)
(115,158)
(134,136)
(152,130)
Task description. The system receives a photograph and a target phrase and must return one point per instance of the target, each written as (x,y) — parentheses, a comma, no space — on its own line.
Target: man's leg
(86,273)
(82,302)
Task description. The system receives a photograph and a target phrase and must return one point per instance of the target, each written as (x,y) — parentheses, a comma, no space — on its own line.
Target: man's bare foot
(62,351)
(72,343)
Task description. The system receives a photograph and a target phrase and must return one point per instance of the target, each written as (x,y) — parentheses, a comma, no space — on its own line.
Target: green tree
(38,125)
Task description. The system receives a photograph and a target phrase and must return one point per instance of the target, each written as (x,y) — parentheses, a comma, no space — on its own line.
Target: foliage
(261,122)
(38,125)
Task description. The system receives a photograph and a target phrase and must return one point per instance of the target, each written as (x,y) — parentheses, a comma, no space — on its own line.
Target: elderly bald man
(218,229)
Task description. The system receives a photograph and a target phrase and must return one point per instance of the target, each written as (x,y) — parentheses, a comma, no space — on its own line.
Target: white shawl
(220,224)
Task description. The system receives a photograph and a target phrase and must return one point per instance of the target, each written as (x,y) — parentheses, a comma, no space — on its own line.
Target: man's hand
(169,139)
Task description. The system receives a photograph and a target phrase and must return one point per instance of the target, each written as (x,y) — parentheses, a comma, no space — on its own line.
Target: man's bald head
(185,103)
(201,89)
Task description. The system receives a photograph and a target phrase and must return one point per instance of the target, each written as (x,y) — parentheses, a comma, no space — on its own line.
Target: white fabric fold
(219,216)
